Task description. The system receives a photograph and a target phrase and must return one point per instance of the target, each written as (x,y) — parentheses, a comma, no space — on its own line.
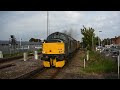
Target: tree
(96,40)
(88,39)
(106,41)
(34,40)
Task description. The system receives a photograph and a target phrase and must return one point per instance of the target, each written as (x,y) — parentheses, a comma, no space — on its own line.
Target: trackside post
(84,63)
(87,55)
(1,54)
(118,63)
(36,55)
(25,55)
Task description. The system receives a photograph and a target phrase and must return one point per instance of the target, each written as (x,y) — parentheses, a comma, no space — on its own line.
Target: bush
(100,64)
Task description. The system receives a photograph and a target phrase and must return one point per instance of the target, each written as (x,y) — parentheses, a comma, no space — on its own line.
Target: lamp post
(99,38)
(92,43)
(47,23)
(20,42)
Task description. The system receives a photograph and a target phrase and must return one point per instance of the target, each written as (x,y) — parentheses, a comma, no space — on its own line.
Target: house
(116,40)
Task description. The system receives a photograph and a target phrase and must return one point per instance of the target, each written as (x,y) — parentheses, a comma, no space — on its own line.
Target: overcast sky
(28,24)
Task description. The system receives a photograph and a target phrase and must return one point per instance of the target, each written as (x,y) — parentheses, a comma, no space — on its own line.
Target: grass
(39,50)
(12,55)
(100,64)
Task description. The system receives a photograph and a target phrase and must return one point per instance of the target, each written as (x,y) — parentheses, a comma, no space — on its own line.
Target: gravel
(21,67)
(75,70)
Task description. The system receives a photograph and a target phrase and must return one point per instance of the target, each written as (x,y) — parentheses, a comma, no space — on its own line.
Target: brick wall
(116,40)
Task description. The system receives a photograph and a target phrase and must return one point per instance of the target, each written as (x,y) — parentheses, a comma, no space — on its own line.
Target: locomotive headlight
(43,52)
(61,41)
(62,52)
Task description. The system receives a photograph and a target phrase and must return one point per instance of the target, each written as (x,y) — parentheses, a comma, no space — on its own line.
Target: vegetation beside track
(99,64)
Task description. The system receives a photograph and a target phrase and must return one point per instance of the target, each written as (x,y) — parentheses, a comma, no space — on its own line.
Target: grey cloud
(27,24)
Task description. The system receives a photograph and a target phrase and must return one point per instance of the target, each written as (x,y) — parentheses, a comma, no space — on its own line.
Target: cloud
(27,24)
(73,16)
(100,18)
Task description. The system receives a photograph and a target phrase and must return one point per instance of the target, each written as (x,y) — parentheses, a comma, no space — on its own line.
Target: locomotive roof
(63,34)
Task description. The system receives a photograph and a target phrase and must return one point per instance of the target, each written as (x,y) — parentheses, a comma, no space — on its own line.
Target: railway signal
(12,43)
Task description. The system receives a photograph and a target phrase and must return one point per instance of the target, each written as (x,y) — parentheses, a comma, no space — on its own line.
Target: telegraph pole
(99,38)
(20,42)
(47,22)
(92,43)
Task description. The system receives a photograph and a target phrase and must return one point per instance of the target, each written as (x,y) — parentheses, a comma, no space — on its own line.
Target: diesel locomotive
(56,48)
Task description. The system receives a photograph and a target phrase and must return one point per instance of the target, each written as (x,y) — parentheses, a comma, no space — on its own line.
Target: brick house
(116,40)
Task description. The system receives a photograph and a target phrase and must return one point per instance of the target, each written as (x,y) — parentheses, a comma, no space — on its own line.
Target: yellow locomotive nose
(56,48)
(53,48)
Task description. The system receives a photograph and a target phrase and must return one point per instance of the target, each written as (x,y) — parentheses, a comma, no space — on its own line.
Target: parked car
(100,48)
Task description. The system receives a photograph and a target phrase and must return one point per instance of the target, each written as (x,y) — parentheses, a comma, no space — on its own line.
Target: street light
(48,22)
(20,42)
(92,43)
(99,38)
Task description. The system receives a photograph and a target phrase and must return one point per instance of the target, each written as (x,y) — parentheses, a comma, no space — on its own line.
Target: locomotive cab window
(56,35)
(50,37)
(63,37)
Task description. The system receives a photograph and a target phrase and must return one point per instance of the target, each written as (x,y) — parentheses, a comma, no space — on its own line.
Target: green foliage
(17,54)
(34,40)
(100,64)
(106,41)
(13,55)
(96,41)
(88,38)
(39,50)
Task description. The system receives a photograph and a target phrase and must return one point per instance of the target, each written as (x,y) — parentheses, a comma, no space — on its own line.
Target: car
(100,48)
(114,52)
(106,52)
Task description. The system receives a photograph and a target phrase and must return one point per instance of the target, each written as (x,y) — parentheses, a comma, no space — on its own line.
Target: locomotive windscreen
(57,36)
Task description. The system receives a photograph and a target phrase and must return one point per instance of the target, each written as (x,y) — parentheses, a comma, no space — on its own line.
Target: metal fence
(27,48)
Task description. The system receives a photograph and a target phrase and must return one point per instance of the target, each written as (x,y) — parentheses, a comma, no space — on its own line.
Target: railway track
(44,73)
(49,73)
(6,66)
(40,73)
(30,74)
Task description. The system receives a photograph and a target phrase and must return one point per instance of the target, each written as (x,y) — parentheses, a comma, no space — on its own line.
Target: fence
(7,50)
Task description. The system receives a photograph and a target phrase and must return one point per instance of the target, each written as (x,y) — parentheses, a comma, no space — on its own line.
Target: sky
(33,24)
